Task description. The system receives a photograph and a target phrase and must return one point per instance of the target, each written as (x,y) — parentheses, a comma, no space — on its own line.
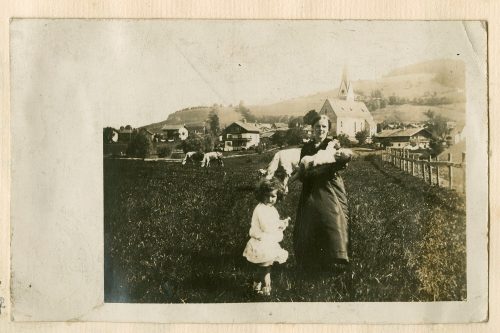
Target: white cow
(213,155)
(288,159)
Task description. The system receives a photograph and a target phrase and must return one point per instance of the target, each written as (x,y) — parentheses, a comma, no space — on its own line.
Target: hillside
(198,114)
(438,78)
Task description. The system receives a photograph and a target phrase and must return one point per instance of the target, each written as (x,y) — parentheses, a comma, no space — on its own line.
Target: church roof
(347,108)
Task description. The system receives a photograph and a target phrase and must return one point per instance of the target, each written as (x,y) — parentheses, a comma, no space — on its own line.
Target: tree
(208,143)
(294,122)
(294,136)
(436,146)
(107,134)
(310,117)
(437,125)
(361,136)
(139,146)
(245,112)
(213,122)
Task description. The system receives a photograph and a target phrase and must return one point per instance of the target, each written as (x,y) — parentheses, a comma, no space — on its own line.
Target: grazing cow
(190,156)
(288,159)
(213,155)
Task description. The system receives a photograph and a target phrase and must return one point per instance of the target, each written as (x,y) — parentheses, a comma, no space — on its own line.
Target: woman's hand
(285,222)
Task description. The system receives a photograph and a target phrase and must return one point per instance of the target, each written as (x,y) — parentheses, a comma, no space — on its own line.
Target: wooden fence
(440,173)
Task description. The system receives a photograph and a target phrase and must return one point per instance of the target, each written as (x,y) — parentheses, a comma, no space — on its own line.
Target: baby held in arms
(332,157)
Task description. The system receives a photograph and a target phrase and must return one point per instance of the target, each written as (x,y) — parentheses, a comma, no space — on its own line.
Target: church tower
(345,90)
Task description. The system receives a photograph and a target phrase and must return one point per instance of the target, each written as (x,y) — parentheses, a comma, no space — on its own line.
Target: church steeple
(345,90)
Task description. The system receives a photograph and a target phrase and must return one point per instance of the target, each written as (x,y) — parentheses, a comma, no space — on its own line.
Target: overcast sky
(138,72)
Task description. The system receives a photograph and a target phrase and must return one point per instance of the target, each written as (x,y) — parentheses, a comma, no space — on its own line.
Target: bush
(362,136)
(344,140)
(164,151)
(191,144)
(139,146)
(294,136)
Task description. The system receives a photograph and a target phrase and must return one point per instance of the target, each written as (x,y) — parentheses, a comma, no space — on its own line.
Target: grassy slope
(176,234)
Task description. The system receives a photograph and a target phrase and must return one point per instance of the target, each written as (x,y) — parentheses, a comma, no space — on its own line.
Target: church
(348,116)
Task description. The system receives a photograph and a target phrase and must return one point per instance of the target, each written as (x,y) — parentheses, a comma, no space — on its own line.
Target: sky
(139,71)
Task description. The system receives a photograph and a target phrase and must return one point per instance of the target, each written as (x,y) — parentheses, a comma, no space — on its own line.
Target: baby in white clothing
(331,155)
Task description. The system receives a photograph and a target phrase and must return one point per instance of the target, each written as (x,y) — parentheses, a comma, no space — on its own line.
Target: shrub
(362,136)
(164,151)
(344,140)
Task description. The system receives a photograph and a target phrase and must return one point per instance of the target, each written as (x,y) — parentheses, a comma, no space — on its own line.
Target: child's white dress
(267,226)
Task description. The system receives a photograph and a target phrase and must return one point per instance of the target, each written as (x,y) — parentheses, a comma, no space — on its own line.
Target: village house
(411,138)
(279,126)
(240,135)
(347,115)
(263,127)
(456,135)
(171,132)
(198,128)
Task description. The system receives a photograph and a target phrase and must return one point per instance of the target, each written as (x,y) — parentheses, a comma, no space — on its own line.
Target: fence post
(437,173)
(450,172)
(430,170)
(407,163)
(404,160)
(413,164)
(464,171)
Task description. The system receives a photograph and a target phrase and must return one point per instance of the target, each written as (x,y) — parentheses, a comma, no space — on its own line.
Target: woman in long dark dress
(321,233)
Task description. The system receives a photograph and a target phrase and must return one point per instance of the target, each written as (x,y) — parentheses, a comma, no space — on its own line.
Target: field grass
(175,234)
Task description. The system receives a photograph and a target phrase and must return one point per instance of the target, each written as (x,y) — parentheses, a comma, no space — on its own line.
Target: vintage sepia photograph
(249,171)
(280,161)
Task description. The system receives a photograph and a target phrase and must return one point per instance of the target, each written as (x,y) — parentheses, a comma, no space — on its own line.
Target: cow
(288,159)
(213,155)
(191,156)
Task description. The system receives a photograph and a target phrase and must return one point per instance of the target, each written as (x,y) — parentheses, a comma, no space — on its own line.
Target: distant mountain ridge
(440,78)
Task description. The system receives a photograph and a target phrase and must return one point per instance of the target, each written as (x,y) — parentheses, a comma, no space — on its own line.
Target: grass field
(175,234)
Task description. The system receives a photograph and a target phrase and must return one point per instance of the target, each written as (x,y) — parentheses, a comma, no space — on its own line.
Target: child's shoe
(266,291)
(257,286)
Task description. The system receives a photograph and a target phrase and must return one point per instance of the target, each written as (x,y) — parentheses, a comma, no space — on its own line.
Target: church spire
(345,90)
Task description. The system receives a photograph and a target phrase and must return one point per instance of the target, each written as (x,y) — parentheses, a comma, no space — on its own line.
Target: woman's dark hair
(266,186)
(319,117)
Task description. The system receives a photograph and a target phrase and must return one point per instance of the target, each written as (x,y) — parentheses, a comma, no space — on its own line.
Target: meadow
(175,234)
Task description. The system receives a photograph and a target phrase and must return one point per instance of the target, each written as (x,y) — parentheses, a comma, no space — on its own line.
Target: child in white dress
(266,231)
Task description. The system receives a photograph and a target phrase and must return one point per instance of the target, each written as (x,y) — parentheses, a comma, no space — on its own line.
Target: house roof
(146,130)
(263,125)
(247,126)
(280,125)
(348,108)
(409,132)
(171,127)
(267,134)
